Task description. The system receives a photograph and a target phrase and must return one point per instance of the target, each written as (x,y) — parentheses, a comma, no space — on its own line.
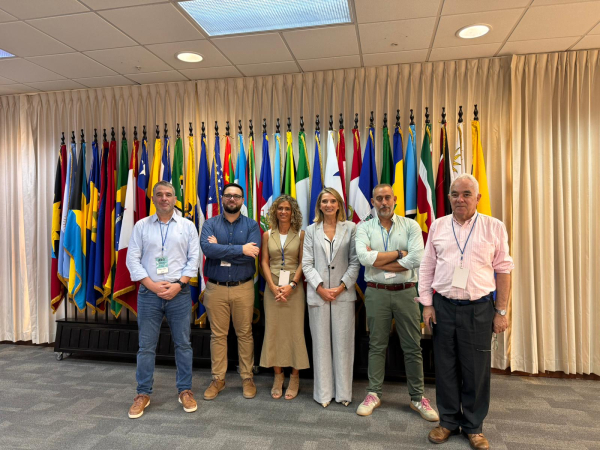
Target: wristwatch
(181,284)
(295,285)
(399,254)
(502,312)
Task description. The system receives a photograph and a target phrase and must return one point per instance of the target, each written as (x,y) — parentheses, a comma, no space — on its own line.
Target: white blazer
(344,264)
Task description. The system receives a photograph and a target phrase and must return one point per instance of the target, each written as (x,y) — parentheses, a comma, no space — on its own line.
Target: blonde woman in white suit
(330,265)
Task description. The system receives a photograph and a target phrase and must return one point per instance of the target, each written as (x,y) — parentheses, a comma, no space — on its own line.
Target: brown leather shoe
(249,388)
(186,398)
(213,390)
(478,441)
(140,402)
(439,434)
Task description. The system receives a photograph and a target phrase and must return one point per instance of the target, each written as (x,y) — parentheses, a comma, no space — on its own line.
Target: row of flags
(93,216)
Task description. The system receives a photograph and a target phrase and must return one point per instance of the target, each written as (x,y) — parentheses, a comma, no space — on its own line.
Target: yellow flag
(154,173)
(484,206)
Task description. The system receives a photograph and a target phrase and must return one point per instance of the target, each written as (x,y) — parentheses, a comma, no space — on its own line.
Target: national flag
(317,178)
(425,187)
(122,184)
(100,238)
(125,290)
(341,158)
(165,161)
(398,186)
(442,182)
(241,172)
(76,233)
(216,183)
(155,174)
(332,178)
(64,259)
(367,181)
(203,206)
(478,170)
(109,222)
(277,167)
(177,180)
(251,181)
(191,212)
(92,295)
(142,203)
(387,165)
(458,162)
(265,186)
(354,177)
(410,174)
(56,287)
(288,185)
(303,180)
(228,171)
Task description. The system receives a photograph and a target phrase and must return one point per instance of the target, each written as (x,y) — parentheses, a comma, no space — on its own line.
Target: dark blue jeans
(151,310)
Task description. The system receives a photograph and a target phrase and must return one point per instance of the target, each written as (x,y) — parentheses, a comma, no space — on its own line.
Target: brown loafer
(213,390)
(478,441)
(248,388)
(439,434)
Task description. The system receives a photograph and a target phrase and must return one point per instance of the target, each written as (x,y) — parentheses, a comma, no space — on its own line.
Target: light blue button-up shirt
(182,249)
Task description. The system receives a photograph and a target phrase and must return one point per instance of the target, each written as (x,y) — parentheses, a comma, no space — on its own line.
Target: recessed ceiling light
(4,54)
(189,57)
(473,31)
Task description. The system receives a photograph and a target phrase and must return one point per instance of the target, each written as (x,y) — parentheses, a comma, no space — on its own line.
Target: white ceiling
(76,44)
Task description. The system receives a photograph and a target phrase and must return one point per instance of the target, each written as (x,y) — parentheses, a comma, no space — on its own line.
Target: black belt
(485,298)
(391,287)
(228,283)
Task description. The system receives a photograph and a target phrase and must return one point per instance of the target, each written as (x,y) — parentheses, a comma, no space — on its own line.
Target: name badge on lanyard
(387,275)
(461,273)
(162,262)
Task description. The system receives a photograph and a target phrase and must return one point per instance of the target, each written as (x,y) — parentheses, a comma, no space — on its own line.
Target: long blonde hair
(341,212)
(296,222)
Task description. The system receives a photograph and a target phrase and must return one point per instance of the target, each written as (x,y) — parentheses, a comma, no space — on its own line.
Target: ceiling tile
(211,72)
(275,68)
(473,6)
(412,34)
(557,21)
(74,30)
(537,46)
(72,65)
(5,17)
(16,89)
(127,60)
(595,30)
(157,77)
(6,81)
(501,22)
(340,62)
(555,2)
(21,39)
(592,41)
(323,42)
(212,56)
(368,11)
(384,59)
(98,82)
(109,4)
(61,85)
(153,24)
(466,52)
(25,71)
(256,48)
(32,9)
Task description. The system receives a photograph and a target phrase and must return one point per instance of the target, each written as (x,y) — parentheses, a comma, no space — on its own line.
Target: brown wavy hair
(340,216)
(296,214)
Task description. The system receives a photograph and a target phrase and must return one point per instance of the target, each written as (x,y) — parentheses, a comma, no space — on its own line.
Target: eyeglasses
(230,196)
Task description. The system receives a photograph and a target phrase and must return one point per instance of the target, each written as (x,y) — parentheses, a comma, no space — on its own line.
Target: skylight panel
(4,54)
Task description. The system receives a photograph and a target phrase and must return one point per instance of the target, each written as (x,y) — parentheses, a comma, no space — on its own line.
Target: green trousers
(382,306)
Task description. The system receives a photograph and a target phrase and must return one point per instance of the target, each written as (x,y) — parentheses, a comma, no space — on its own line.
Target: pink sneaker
(370,402)
(424,408)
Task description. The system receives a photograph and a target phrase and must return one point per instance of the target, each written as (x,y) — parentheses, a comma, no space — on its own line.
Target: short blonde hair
(296,222)
(341,212)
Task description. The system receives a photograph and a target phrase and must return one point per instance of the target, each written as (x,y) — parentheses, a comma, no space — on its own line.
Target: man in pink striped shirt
(466,259)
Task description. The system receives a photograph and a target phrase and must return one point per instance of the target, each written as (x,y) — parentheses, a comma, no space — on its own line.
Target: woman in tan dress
(281,262)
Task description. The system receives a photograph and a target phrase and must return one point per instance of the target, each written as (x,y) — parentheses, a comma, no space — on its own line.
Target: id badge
(225,264)
(162,265)
(459,279)
(389,275)
(284,277)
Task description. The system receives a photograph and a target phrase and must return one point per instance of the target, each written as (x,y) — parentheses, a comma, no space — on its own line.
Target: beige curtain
(556,162)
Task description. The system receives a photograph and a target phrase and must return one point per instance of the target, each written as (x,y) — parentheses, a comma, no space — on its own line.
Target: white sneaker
(370,402)
(424,408)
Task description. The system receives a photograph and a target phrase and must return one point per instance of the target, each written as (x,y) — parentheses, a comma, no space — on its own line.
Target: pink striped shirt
(486,252)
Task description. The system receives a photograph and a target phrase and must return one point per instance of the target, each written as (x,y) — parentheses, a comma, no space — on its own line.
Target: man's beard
(386,214)
(232,209)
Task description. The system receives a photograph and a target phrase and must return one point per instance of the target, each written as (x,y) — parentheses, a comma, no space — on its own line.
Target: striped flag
(303,180)
(341,158)
(410,174)
(141,208)
(317,178)
(398,186)
(241,172)
(458,161)
(203,206)
(332,178)
(425,187)
(155,174)
(228,172)
(178,176)
(100,238)
(165,161)
(484,206)
(288,185)
(56,287)
(277,167)
(91,294)
(442,182)
(354,177)
(265,186)
(367,181)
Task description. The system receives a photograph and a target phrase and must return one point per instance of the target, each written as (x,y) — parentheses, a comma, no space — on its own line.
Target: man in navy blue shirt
(230,243)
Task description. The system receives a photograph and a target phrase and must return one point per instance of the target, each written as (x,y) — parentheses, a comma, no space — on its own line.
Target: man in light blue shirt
(163,255)
(391,248)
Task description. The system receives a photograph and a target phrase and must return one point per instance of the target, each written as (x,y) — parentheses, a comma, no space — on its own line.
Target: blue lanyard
(385,242)
(462,251)
(164,238)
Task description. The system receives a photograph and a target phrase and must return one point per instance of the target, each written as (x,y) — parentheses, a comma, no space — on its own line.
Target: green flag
(122,175)
(289,169)
(302,180)
(177,177)
(387,167)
